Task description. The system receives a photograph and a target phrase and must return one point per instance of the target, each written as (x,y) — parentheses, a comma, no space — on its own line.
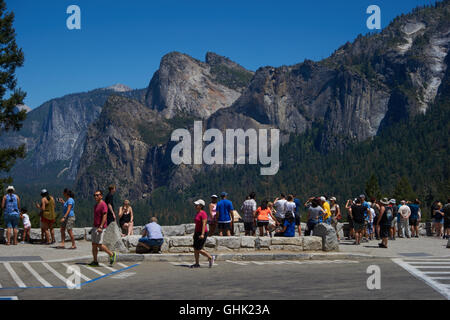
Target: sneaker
(194,266)
(382,246)
(113,258)
(211,262)
(416,236)
(93,264)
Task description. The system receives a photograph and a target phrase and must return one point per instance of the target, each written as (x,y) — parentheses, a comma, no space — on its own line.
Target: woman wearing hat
(11,208)
(212,221)
(384,223)
(48,216)
(200,234)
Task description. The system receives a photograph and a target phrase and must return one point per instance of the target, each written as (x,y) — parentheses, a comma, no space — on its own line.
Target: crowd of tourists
(383,219)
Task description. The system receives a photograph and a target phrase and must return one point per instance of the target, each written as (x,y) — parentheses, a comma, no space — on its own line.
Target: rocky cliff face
(363,87)
(126,146)
(184,85)
(55,132)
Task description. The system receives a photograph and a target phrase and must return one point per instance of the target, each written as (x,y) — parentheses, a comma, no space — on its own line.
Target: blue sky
(123,41)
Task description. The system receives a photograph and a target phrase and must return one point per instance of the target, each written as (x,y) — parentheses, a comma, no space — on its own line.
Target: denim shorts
(12,221)
(152,242)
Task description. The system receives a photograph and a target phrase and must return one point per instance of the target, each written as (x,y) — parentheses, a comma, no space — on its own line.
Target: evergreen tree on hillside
(11,57)
(373,188)
(403,190)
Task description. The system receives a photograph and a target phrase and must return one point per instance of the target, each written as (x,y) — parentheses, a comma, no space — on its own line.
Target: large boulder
(113,238)
(229,242)
(329,237)
(171,231)
(211,242)
(189,228)
(262,242)
(312,243)
(186,241)
(35,234)
(296,241)
(247,242)
(137,230)
(131,241)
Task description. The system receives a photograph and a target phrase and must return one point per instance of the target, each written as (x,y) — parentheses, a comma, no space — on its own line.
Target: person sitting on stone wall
(152,237)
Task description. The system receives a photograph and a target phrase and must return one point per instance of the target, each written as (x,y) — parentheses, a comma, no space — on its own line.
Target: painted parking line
(290,262)
(14,275)
(37,275)
(93,269)
(415,267)
(82,276)
(46,274)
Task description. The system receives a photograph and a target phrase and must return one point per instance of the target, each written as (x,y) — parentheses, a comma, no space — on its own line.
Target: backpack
(389,214)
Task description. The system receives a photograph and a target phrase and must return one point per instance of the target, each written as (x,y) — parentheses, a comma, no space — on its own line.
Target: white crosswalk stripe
(14,275)
(37,275)
(419,269)
(269,262)
(49,274)
(82,276)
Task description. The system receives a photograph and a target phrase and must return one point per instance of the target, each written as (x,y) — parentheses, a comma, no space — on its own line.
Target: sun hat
(200,201)
(333,199)
(323,198)
(10,188)
(384,201)
(214,196)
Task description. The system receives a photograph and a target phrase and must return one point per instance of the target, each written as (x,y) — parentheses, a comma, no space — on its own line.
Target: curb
(180,257)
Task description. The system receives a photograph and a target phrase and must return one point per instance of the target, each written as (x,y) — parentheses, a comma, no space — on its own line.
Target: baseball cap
(323,198)
(200,201)
(224,194)
(214,196)
(392,201)
(333,199)
(362,196)
(43,191)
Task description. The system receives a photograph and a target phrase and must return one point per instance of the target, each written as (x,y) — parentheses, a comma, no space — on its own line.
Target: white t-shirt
(404,211)
(279,207)
(26,220)
(372,214)
(289,206)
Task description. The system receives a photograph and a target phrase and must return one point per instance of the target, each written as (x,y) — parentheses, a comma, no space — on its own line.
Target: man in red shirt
(97,232)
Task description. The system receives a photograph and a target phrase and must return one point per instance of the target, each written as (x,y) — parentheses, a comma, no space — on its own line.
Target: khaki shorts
(97,237)
(68,223)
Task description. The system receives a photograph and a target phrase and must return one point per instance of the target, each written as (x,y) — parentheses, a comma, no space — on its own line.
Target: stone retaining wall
(184,230)
(183,244)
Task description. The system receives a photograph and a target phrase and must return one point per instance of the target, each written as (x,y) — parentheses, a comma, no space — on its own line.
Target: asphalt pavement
(234,280)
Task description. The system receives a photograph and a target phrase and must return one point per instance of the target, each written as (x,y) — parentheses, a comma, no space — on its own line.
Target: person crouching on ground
(200,235)
(152,235)
(288,229)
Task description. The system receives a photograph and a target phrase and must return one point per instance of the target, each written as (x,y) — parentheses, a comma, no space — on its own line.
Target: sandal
(72,248)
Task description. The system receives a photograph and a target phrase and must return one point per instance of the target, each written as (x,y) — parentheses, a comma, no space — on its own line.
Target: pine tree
(373,188)
(403,190)
(11,57)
